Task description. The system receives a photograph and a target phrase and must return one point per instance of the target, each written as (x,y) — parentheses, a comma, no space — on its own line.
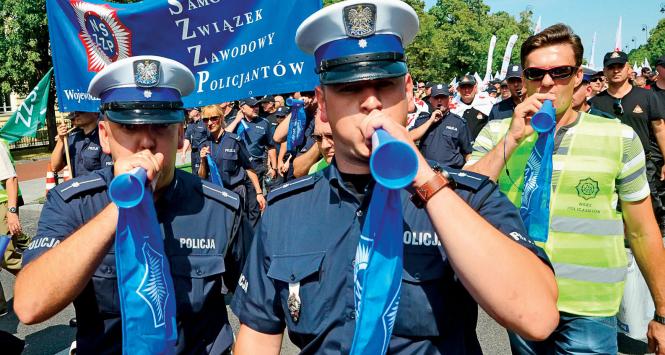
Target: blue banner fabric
(147,296)
(215,177)
(378,272)
(535,208)
(296,135)
(235,49)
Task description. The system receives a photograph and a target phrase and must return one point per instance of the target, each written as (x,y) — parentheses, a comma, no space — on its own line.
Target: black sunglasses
(556,73)
(596,80)
(319,137)
(618,108)
(213,118)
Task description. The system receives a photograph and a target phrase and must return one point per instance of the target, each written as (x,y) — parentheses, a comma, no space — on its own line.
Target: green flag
(31,115)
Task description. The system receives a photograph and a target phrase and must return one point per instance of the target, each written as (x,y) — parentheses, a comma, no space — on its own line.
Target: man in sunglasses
(597,82)
(195,134)
(505,108)
(643,110)
(597,163)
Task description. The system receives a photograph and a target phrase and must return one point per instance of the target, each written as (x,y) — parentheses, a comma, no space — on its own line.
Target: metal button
(359,213)
(353,262)
(198,271)
(292,277)
(108,269)
(352,315)
(417,276)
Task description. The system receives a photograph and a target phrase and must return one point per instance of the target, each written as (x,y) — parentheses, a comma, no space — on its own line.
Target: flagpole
(69,161)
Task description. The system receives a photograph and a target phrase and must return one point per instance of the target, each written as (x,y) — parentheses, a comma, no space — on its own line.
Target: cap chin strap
(141,105)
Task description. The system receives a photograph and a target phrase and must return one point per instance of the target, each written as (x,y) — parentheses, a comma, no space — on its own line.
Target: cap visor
(143,116)
(614,61)
(361,71)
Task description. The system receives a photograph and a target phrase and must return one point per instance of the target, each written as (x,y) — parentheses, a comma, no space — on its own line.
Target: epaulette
(220,194)
(79,185)
(233,136)
(467,179)
(291,187)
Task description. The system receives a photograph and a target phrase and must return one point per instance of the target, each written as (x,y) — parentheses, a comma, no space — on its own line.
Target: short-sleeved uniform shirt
(447,141)
(257,137)
(502,109)
(196,134)
(231,157)
(631,183)
(640,107)
(86,153)
(197,220)
(436,314)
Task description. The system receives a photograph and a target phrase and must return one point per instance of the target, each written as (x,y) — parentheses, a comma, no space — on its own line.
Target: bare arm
(418,132)
(234,124)
(251,342)
(303,162)
(282,130)
(492,163)
(58,154)
(52,281)
(260,199)
(659,132)
(272,158)
(13,222)
(203,167)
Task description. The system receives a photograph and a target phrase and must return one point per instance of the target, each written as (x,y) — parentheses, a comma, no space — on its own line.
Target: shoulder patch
(220,194)
(233,136)
(297,185)
(467,179)
(80,185)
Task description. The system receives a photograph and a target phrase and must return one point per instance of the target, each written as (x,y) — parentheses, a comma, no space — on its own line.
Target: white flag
(507,55)
(490,54)
(538,26)
(646,64)
(592,60)
(617,44)
(636,69)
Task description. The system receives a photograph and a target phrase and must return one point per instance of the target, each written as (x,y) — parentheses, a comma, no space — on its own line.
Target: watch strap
(424,192)
(658,318)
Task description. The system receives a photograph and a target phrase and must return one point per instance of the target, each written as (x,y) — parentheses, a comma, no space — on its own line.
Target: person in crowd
(195,135)
(268,106)
(597,83)
(72,257)
(642,110)
(640,82)
(279,102)
(256,133)
(229,111)
(596,162)
(10,224)
(471,105)
(85,153)
(504,90)
(492,91)
(505,108)
(580,101)
(324,141)
(444,137)
(306,283)
(233,163)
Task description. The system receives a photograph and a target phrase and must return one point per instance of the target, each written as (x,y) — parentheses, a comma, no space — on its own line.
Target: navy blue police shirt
(86,153)
(196,134)
(436,314)
(231,157)
(197,219)
(447,141)
(257,137)
(502,109)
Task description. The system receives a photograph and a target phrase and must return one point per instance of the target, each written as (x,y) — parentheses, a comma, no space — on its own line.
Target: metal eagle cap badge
(146,73)
(360,20)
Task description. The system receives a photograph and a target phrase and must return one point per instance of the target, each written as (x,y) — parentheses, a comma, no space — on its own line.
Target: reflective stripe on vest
(585,243)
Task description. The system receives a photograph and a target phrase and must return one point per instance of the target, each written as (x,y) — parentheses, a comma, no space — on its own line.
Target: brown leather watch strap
(425,191)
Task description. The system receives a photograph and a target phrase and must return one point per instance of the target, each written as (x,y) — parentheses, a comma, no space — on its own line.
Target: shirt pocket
(307,271)
(196,279)
(230,161)
(91,158)
(105,283)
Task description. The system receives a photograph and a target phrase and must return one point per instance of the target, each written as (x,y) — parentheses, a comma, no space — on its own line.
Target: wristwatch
(12,210)
(658,318)
(435,184)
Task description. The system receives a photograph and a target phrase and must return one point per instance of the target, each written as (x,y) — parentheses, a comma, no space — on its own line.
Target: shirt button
(352,315)
(108,270)
(292,277)
(198,271)
(359,213)
(417,276)
(353,262)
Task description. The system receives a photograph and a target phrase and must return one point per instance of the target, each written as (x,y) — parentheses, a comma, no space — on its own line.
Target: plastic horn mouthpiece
(127,190)
(393,163)
(545,119)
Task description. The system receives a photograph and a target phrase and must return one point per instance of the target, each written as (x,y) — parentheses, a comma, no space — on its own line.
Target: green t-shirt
(320,165)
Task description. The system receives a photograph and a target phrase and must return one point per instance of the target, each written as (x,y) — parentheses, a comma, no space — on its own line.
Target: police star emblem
(146,73)
(587,188)
(360,20)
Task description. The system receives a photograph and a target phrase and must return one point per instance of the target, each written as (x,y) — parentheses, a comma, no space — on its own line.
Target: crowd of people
(279,221)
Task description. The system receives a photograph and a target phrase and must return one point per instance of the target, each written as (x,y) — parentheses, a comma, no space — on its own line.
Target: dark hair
(553,35)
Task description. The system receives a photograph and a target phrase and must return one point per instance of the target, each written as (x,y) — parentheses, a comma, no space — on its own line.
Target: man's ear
(104,136)
(408,83)
(321,99)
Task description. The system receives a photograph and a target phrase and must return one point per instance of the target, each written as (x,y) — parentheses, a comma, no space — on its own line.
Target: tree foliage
(653,49)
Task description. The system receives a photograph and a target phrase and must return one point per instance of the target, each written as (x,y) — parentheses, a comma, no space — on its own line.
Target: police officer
(504,108)
(303,278)
(195,135)
(471,105)
(85,153)
(72,258)
(232,160)
(444,136)
(256,133)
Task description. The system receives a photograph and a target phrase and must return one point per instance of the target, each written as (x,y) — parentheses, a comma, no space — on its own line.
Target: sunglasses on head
(213,119)
(556,73)
(617,107)
(319,137)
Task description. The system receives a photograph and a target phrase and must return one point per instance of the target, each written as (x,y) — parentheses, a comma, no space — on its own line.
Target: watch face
(12,209)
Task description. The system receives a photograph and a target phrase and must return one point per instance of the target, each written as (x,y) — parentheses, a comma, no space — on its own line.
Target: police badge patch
(146,73)
(360,20)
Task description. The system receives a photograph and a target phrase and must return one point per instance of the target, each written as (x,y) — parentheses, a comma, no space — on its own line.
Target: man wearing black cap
(85,153)
(642,110)
(471,105)
(582,93)
(73,257)
(597,82)
(444,136)
(306,279)
(659,85)
(504,108)
(195,135)
(257,133)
